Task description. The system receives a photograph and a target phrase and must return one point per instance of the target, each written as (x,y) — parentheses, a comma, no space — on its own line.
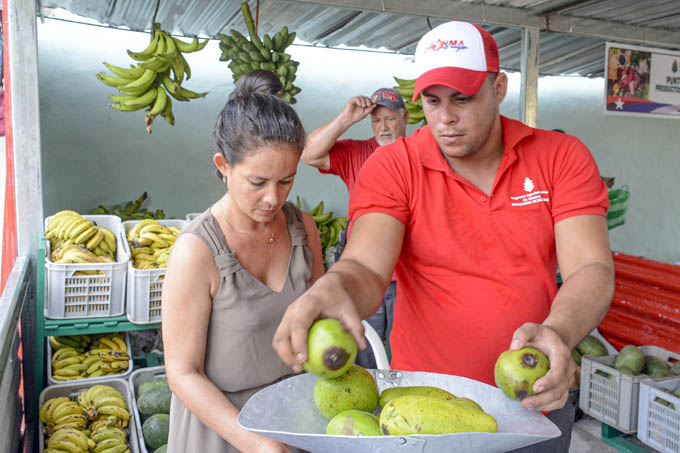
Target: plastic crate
(122,375)
(87,296)
(135,380)
(72,390)
(658,424)
(610,395)
(145,286)
(192,215)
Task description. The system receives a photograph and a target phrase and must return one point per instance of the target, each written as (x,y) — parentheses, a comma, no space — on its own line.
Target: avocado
(660,374)
(654,365)
(354,423)
(630,358)
(330,349)
(395,392)
(516,371)
(591,345)
(576,356)
(355,389)
(675,368)
(420,414)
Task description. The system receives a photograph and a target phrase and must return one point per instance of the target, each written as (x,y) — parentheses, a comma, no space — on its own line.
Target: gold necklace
(224,215)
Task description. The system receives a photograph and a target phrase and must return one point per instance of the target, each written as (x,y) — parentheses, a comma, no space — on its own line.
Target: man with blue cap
(345,158)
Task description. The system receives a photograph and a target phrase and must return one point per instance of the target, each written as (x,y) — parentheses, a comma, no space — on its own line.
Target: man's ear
(500,86)
(406,116)
(221,163)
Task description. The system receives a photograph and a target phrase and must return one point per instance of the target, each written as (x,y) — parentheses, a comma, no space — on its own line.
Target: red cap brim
(465,81)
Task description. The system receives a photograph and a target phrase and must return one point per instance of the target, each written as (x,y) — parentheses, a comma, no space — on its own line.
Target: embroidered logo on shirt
(531,196)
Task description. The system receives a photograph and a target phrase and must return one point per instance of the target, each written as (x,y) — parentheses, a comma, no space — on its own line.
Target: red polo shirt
(347,157)
(473,268)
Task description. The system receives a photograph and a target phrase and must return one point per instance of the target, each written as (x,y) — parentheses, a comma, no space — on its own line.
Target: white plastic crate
(145,286)
(135,380)
(658,424)
(121,375)
(73,390)
(87,296)
(192,215)
(610,395)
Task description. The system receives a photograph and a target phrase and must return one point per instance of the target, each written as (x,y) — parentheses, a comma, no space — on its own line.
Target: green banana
(148,52)
(113,81)
(133,72)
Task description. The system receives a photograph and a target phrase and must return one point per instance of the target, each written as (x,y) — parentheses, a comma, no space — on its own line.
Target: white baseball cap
(455,54)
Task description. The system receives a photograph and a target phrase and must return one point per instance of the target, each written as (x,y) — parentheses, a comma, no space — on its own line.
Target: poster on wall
(642,81)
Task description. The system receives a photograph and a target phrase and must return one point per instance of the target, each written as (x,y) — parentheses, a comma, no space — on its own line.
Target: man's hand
(325,299)
(356,109)
(552,390)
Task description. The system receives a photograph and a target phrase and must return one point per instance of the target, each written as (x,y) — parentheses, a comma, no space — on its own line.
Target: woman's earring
(224,179)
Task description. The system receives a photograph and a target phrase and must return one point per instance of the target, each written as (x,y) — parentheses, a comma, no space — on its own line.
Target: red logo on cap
(385,95)
(447,44)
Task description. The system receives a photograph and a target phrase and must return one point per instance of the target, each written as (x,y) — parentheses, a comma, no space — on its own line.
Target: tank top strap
(296,226)
(208,230)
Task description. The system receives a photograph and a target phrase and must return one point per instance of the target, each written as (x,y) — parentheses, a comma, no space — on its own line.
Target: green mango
(517,371)
(630,358)
(654,365)
(419,414)
(354,423)
(355,389)
(469,403)
(593,346)
(576,356)
(395,392)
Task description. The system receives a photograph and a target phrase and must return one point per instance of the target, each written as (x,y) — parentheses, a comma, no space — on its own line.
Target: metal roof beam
(513,17)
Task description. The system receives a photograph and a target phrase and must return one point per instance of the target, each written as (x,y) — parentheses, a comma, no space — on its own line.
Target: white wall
(94,154)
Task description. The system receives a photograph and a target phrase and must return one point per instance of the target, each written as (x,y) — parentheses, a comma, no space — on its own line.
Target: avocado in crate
(610,385)
(659,414)
(95,356)
(151,396)
(82,418)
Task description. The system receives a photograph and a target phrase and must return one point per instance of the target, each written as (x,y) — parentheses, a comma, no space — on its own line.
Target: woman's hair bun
(257,81)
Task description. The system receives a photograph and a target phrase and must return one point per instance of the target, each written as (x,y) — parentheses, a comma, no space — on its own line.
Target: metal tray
(286,412)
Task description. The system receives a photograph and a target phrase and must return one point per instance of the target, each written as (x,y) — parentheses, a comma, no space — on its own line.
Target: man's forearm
(582,302)
(365,287)
(321,140)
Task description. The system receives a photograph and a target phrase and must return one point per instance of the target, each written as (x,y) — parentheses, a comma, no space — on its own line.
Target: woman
(232,273)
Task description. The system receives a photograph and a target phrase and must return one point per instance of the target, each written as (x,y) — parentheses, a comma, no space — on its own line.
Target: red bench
(645,309)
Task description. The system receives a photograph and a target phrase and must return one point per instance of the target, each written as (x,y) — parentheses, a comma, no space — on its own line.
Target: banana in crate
(150,243)
(266,53)
(96,421)
(76,239)
(88,356)
(148,83)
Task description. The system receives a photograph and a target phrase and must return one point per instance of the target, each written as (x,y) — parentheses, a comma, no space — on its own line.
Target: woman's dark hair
(254,116)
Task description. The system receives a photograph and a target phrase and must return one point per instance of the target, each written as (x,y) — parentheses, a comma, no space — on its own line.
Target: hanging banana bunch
(405,87)
(148,83)
(268,53)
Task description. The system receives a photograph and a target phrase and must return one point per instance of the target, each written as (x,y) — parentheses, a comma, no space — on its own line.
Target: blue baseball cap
(389,98)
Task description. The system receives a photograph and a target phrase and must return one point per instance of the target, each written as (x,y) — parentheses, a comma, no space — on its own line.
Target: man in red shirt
(345,158)
(474,211)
